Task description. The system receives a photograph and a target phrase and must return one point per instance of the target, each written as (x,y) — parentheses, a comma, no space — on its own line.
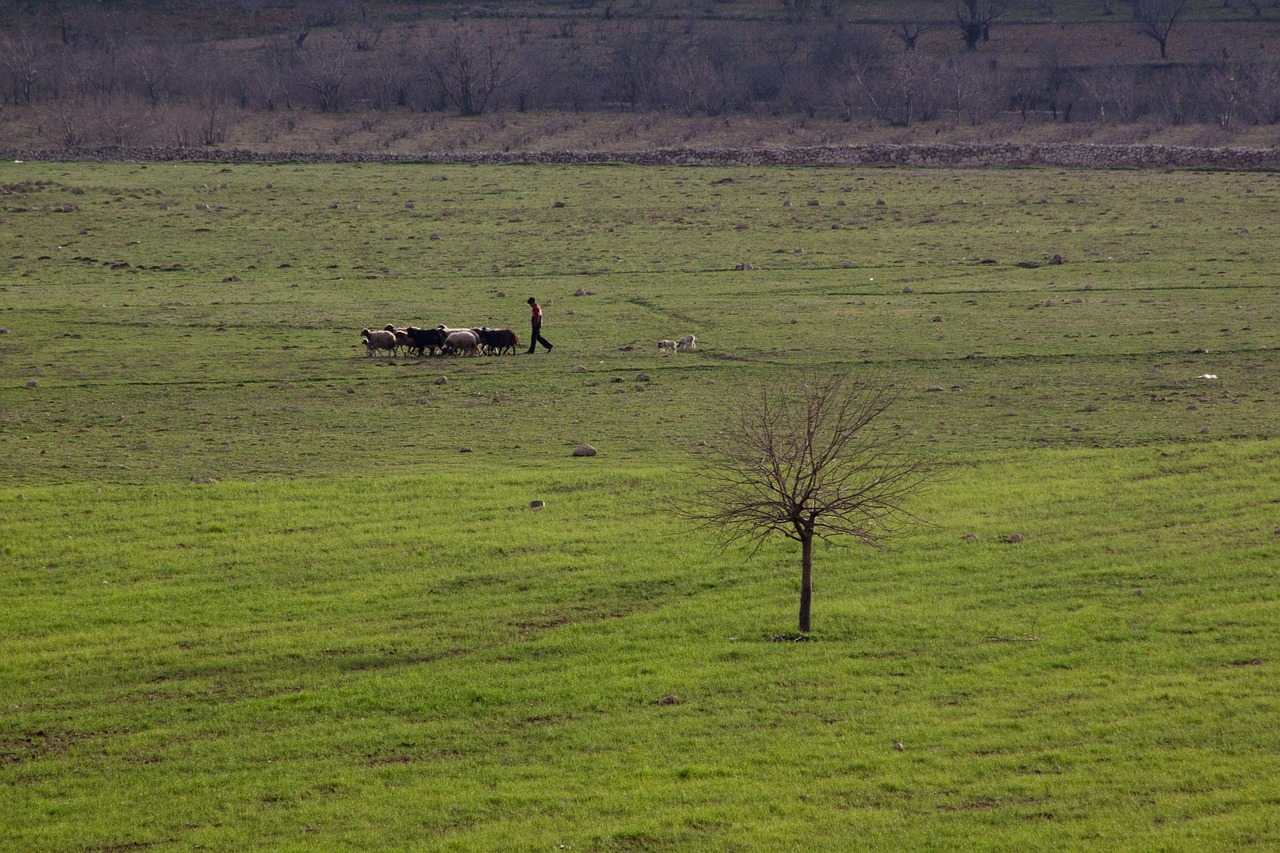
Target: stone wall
(956,155)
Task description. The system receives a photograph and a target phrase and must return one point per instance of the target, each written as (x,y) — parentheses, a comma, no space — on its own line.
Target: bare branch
(806,462)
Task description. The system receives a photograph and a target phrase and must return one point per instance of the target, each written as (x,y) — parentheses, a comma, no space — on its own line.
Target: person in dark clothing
(536,319)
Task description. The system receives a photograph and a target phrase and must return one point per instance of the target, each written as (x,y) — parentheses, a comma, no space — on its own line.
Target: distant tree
(20,56)
(781,44)
(975,18)
(698,83)
(973,87)
(323,73)
(637,65)
(797,10)
(1222,96)
(474,66)
(804,462)
(1156,18)
(909,33)
(157,68)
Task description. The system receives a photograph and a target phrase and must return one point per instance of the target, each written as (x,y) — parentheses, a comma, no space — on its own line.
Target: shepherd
(536,319)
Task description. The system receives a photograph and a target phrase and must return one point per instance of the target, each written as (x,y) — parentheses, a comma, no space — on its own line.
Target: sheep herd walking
(441,340)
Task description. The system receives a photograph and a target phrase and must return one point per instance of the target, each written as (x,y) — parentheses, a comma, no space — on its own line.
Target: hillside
(412,77)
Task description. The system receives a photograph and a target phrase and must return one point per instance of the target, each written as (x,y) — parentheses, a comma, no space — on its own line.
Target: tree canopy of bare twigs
(804,461)
(474,66)
(1156,19)
(975,18)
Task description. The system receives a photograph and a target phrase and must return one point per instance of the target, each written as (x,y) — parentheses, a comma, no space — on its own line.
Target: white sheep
(666,346)
(688,343)
(462,340)
(376,340)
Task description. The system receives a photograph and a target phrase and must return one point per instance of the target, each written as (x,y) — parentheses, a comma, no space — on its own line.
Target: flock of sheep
(441,339)
(481,341)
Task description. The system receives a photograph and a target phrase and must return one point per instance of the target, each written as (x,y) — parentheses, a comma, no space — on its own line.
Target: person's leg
(533,341)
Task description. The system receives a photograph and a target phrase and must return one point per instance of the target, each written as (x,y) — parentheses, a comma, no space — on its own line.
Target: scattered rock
(580,292)
(466,448)
(584,450)
(934,388)
(643,377)
(1057,261)
(31,383)
(537,504)
(898,746)
(578,368)
(970,537)
(745,266)
(908,289)
(936,318)
(350,390)
(557,204)
(434,236)
(441,380)
(668,700)
(1201,351)
(232,279)
(1011,539)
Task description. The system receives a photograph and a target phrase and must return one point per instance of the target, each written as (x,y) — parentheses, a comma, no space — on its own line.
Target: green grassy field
(256,597)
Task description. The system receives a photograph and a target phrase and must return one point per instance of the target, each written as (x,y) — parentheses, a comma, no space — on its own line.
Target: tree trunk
(806,578)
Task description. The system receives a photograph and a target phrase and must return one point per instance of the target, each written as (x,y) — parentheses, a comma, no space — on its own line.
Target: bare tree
(781,44)
(974,88)
(20,55)
(797,10)
(696,84)
(638,64)
(1156,19)
(157,69)
(909,33)
(804,462)
(473,67)
(975,18)
(323,73)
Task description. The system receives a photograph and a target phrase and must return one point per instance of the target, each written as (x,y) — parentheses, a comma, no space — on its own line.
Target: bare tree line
(93,80)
